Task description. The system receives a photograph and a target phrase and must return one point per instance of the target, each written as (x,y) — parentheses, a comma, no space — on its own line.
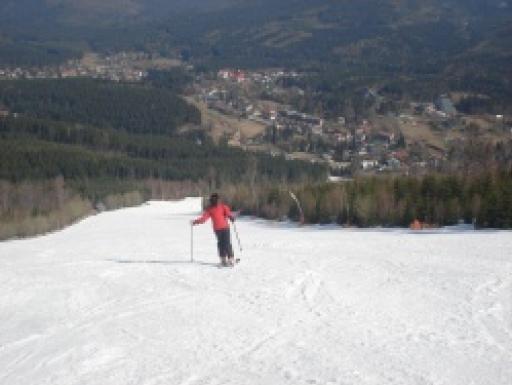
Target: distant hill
(345,31)
(276,32)
(460,44)
(437,44)
(101,11)
(39,32)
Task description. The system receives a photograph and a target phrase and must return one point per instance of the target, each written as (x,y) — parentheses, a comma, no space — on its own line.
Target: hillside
(47,32)
(440,45)
(115,299)
(424,44)
(118,131)
(347,30)
(69,140)
(102,11)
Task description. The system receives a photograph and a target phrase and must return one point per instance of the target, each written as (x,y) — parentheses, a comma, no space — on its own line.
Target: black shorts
(224,243)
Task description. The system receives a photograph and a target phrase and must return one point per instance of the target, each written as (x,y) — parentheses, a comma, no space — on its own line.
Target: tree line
(484,200)
(33,148)
(127,107)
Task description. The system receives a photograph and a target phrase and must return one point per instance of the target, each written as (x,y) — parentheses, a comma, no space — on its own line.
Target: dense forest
(37,149)
(131,108)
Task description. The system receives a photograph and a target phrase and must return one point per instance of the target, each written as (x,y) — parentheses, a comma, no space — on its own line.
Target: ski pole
(237,237)
(299,206)
(191,243)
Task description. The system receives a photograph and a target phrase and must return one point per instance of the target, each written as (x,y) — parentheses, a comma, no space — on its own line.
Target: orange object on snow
(416,225)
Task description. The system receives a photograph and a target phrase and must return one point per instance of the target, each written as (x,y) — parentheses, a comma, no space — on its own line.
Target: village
(119,67)
(254,110)
(412,141)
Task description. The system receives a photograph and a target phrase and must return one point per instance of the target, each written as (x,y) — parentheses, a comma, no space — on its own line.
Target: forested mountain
(462,45)
(341,30)
(103,11)
(456,44)
(46,32)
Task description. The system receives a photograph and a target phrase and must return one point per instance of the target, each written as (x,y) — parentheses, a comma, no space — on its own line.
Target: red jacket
(219,215)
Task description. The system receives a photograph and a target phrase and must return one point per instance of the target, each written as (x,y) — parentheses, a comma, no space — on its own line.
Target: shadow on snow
(162,262)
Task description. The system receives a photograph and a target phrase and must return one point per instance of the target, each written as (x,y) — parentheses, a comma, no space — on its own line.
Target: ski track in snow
(114,300)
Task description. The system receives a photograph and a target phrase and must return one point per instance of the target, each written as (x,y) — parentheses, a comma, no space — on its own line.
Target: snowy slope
(113,300)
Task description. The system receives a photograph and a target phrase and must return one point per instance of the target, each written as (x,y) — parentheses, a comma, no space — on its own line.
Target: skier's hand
(194,222)
(232,218)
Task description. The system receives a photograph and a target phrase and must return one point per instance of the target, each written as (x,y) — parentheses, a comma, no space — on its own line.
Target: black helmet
(214,199)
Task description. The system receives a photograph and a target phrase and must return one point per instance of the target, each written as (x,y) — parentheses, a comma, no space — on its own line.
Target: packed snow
(115,300)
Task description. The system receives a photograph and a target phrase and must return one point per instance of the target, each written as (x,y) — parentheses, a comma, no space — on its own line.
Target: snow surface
(114,300)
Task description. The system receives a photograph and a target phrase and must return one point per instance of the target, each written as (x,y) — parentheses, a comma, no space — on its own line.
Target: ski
(237,261)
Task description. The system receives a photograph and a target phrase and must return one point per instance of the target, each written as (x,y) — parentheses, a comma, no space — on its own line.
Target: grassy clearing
(220,125)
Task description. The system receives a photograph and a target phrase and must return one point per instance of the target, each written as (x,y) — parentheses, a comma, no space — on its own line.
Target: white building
(369,164)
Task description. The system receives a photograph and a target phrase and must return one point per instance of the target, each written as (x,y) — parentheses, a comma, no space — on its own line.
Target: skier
(219,213)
